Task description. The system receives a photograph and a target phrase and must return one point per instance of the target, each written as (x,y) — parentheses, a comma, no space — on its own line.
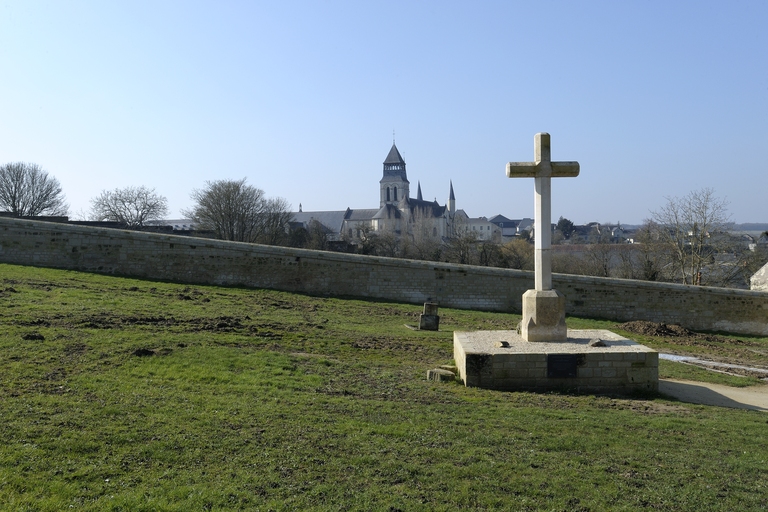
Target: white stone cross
(542,169)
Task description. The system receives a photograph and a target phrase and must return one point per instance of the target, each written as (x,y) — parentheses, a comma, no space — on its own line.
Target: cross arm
(536,170)
(565,169)
(522,169)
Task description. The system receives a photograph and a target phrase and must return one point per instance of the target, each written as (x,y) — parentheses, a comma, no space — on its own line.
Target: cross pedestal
(581,360)
(543,307)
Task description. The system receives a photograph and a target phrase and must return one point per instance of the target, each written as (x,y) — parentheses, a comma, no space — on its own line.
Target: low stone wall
(206,261)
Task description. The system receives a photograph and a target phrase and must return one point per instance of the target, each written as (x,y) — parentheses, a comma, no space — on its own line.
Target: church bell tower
(394,184)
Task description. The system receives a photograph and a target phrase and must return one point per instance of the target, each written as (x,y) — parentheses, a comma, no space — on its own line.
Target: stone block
(543,316)
(524,364)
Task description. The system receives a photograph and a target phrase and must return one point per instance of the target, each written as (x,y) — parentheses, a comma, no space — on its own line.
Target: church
(397,213)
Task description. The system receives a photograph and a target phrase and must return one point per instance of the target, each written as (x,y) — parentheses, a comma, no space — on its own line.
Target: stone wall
(205,261)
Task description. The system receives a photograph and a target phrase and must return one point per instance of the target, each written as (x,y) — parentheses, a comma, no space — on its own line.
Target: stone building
(759,280)
(398,212)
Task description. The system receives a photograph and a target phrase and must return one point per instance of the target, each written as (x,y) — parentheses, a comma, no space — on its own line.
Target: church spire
(418,193)
(451,200)
(394,184)
(394,165)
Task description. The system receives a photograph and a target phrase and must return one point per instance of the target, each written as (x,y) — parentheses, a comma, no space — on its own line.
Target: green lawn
(121,394)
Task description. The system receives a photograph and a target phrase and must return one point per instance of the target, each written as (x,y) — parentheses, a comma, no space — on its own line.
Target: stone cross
(542,169)
(543,307)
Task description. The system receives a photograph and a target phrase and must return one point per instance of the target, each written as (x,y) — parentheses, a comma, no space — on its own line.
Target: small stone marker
(543,307)
(440,374)
(429,321)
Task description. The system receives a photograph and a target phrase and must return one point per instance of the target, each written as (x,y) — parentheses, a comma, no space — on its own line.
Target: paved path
(754,397)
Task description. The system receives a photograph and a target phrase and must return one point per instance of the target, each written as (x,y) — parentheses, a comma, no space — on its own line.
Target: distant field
(121,394)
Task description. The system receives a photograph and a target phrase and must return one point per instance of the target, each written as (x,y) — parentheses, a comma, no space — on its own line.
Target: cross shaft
(542,169)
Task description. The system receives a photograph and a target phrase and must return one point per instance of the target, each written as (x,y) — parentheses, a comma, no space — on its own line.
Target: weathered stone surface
(429,322)
(439,374)
(543,307)
(542,169)
(543,316)
(430,308)
(621,366)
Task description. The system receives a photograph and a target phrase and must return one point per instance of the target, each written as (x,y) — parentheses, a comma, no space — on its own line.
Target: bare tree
(368,241)
(389,243)
(693,228)
(317,236)
(132,206)
(238,212)
(27,190)
(519,254)
(461,245)
(426,241)
(490,253)
(275,218)
(598,258)
(652,254)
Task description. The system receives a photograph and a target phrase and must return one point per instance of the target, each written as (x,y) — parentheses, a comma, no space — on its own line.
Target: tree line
(688,240)
(226,209)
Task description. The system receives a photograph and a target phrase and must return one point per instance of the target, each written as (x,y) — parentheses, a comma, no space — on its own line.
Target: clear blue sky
(653,98)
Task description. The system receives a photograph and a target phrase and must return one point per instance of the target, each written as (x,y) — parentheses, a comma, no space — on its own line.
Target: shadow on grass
(696,393)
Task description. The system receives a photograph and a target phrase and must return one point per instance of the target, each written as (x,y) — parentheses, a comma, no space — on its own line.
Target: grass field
(121,394)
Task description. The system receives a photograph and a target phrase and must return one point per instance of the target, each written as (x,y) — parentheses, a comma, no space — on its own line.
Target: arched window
(388,199)
(395,193)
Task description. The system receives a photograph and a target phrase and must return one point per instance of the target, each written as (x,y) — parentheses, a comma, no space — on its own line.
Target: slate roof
(360,214)
(431,206)
(500,219)
(332,221)
(388,211)
(394,156)
(394,166)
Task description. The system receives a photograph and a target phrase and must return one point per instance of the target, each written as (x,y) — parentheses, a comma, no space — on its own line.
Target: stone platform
(620,366)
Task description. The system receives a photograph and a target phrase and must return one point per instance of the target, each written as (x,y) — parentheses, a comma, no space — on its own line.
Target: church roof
(332,221)
(388,211)
(394,156)
(360,214)
(431,207)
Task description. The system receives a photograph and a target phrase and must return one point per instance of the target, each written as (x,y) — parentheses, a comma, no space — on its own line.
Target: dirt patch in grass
(709,347)
(678,335)
(215,324)
(389,343)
